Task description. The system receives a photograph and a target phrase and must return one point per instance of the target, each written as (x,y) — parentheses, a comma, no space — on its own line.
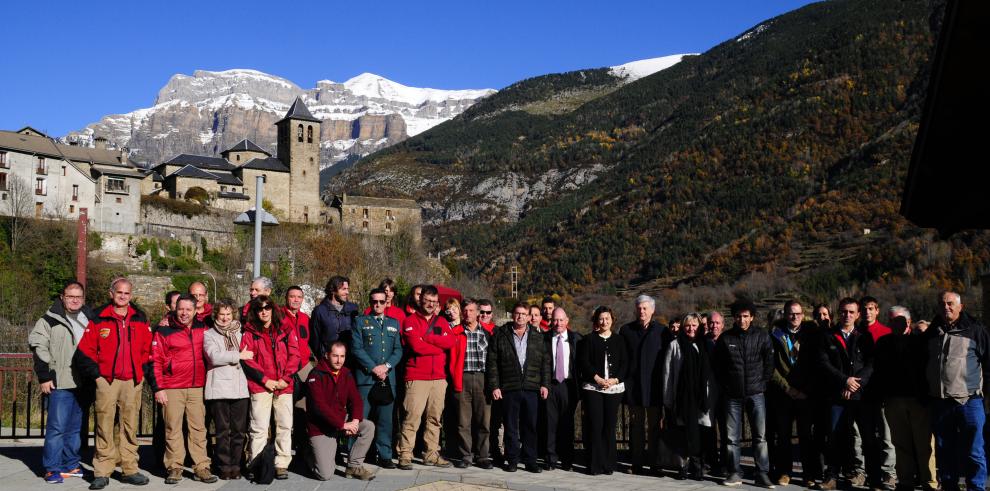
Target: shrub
(187,208)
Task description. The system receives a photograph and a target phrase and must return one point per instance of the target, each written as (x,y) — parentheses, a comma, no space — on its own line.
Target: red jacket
(544,325)
(276,357)
(332,401)
(426,352)
(458,354)
(878,330)
(206,316)
(96,355)
(391,311)
(177,355)
(299,323)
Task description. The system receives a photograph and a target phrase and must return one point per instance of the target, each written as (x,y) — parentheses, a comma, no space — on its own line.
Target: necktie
(559,370)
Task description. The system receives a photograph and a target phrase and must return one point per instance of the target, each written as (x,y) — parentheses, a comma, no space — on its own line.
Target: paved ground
(20,469)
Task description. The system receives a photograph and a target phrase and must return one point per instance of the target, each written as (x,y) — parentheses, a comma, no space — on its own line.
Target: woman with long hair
(689,396)
(226,390)
(602,358)
(269,374)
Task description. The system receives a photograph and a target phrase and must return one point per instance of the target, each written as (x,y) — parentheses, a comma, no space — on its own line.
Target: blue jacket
(373,344)
(327,325)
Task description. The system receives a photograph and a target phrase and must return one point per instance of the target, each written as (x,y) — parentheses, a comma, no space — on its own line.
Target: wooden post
(82,230)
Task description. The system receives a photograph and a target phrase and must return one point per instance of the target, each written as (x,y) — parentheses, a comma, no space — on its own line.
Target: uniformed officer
(377,348)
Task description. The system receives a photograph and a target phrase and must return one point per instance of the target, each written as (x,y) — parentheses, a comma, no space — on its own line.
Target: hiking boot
(437,461)
(99,482)
(858,479)
(762,480)
(828,484)
(405,463)
(732,480)
(138,479)
(281,473)
(204,475)
(54,477)
(359,472)
(174,476)
(784,480)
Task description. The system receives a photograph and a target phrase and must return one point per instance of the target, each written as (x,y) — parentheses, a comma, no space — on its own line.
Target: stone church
(291,177)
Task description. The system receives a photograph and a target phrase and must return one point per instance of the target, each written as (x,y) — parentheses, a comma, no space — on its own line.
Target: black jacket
(743,361)
(591,357)
(803,376)
(502,369)
(549,338)
(840,359)
(899,366)
(645,348)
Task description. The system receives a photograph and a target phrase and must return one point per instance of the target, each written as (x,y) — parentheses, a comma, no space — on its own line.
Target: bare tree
(20,200)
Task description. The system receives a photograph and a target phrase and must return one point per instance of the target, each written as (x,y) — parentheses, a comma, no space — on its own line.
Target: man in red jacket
(335,410)
(467,370)
(428,340)
(204,309)
(114,351)
(177,380)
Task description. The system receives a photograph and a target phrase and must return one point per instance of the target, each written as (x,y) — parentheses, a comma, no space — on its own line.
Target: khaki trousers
(473,416)
(914,444)
(185,404)
(261,412)
(422,396)
(123,396)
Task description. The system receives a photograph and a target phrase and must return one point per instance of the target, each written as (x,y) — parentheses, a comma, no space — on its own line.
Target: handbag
(381,393)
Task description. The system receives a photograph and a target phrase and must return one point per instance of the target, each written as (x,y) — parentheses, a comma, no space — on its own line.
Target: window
(63,171)
(42,166)
(72,209)
(299,134)
(388,226)
(3,181)
(388,215)
(75,192)
(264,178)
(238,158)
(3,159)
(223,189)
(117,185)
(120,200)
(364,225)
(40,187)
(365,213)
(309,134)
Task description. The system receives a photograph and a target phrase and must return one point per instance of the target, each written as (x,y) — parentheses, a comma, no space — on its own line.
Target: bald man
(561,403)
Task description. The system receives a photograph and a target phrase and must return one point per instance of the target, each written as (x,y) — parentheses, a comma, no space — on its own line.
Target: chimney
(100,142)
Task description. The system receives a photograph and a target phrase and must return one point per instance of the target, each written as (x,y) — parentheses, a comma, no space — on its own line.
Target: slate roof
(245,145)
(201,161)
(270,164)
(229,195)
(227,178)
(47,147)
(194,172)
(298,110)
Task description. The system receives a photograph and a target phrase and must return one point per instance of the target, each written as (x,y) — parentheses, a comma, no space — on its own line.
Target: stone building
(292,179)
(42,178)
(376,216)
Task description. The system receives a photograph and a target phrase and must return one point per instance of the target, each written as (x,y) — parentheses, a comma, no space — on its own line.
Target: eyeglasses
(378,302)
(267,307)
(485,312)
(73,297)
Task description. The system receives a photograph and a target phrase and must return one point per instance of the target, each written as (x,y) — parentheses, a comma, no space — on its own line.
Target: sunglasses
(485,312)
(378,302)
(267,307)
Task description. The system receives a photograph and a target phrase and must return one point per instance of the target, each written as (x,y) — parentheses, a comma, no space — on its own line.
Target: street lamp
(214,278)
(249,217)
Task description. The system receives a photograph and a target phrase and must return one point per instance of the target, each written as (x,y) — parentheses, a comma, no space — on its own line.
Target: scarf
(229,334)
(692,398)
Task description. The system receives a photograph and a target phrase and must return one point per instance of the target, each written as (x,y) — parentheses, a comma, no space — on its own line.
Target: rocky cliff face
(208,112)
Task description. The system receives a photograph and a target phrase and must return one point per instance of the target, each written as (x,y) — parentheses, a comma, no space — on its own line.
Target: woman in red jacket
(269,374)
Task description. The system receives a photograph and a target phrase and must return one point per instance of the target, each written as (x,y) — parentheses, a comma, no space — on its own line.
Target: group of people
(873,404)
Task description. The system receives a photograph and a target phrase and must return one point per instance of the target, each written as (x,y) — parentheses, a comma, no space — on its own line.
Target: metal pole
(82,230)
(214,278)
(259,184)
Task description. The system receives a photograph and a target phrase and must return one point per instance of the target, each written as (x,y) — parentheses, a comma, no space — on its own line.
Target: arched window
(299,133)
(309,134)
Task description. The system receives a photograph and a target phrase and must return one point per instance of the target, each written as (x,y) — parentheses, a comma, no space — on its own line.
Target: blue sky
(69,63)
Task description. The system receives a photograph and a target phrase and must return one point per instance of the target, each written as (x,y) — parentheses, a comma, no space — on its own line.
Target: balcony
(117,187)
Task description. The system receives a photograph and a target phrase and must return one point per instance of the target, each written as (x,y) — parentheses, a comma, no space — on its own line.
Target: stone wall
(376,220)
(149,292)
(216,225)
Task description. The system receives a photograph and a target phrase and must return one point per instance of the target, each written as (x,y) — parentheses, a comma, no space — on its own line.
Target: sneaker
(54,477)
(828,484)
(858,479)
(889,481)
(437,461)
(405,464)
(762,480)
(281,473)
(77,472)
(174,476)
(204,475)
(138,479)
(99,482)
(359,472)
(783,480)
(732,480)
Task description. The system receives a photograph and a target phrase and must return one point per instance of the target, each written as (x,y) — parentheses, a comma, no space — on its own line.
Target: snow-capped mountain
(635,70)
(208,111)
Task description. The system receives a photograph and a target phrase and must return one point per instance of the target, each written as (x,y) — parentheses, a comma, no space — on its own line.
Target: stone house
(376,216)
(42,178)
(292,178)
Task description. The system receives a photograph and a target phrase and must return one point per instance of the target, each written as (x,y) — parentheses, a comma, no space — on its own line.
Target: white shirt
(567,355)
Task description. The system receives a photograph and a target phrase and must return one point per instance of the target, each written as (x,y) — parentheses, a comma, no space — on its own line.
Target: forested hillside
(769,154)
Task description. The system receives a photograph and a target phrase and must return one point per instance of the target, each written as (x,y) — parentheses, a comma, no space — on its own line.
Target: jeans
(959,443)
(756,411)
(520,425)
(61,451)
(842,439)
